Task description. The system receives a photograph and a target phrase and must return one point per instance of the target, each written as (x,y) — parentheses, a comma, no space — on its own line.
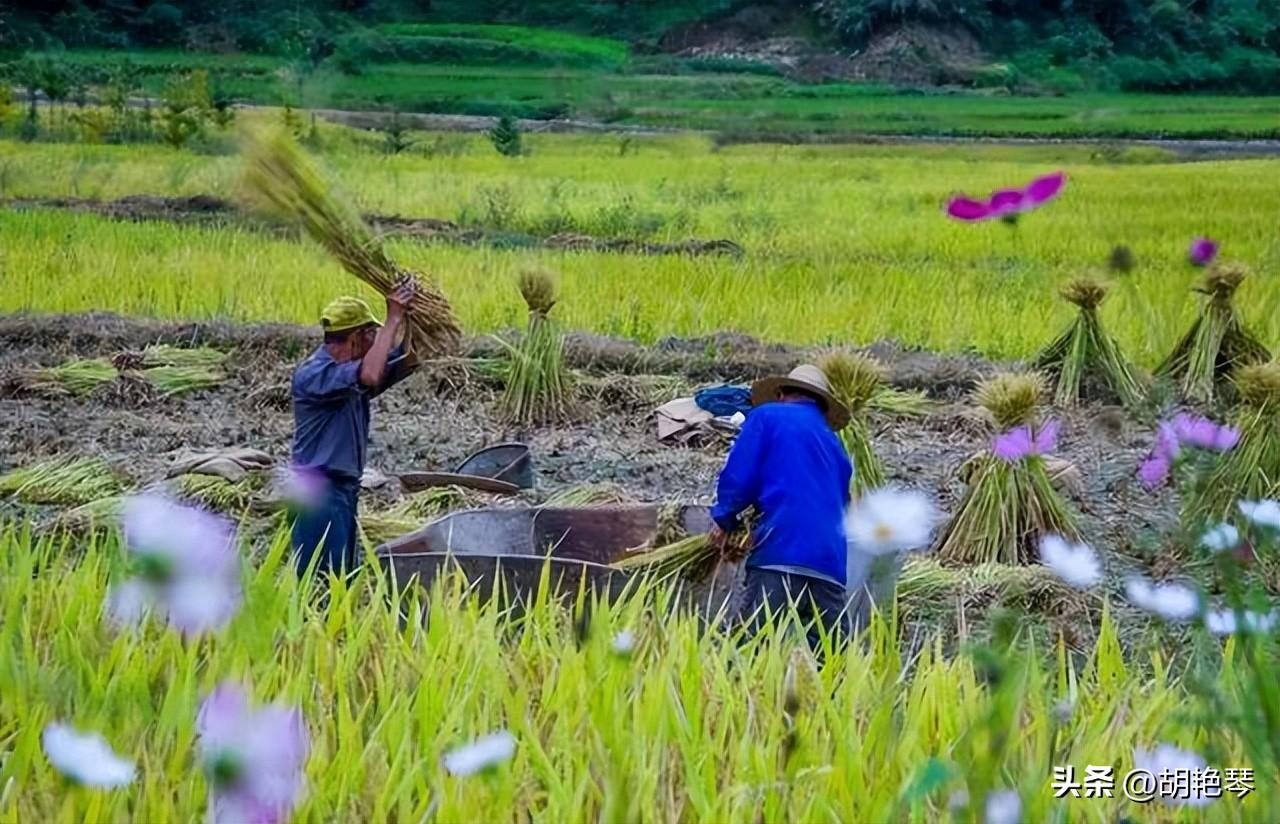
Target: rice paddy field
(958,703)
(842,244)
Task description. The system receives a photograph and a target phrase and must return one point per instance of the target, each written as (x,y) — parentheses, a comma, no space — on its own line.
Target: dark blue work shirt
(331,412)
(791,467)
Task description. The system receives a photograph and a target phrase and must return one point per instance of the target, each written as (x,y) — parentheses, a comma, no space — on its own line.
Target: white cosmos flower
(1221,538)
(481,754)
(1172,602)
(1226,622)
(1166,758)
(1003,807)
(891,519)
(1262,513)
(85,758)
(624,643)
(1076,564)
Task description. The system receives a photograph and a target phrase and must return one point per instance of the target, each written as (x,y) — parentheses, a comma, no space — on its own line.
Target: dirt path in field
(209,210)
(446,412)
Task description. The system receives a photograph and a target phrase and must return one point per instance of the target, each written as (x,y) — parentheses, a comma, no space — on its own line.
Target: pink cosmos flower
(1202,433)
(1022,442)
(254,757)
(1008,204)
(1172,436)
(186,566)
(1202,251)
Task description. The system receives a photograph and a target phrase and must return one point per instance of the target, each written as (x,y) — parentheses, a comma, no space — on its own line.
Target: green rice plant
(537,386)
(178,380)
(62,481)
(162,354)
(1216,344)
(1086,362)
(220,494)
(1251,470)
(655,734)
(80,376)
(856,379)
(1009,504)
(279,174)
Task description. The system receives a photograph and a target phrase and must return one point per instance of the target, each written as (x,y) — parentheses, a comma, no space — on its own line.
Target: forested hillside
(1064,45)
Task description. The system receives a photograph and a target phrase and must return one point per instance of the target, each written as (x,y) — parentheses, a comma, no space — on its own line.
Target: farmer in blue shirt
(788,465)
(331,392)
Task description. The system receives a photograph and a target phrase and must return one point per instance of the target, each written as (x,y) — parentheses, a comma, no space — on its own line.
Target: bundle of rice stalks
(1084,360)
(926,588)
(436,501)
(1217,343)
(1251,470)
(855,381)
(906,403)
(165,355)
(178,380)
(640,392)
(675,553)
(1011,398)
(77,377)
(279,175)
(1009,503)
(537,384)
(221,495)
(601,494)
(62,481)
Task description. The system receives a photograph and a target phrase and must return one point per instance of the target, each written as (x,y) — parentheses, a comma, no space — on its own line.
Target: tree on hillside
(505,136)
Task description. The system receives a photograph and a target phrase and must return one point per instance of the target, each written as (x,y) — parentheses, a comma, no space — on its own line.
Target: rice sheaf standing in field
(788,465)
(331,391)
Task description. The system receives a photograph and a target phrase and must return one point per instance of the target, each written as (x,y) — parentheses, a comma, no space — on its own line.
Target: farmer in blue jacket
(331,392)
(788,465)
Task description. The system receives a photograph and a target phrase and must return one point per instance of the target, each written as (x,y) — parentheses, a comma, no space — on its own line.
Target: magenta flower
(254,758)
(186,566)
(1008,204)
(1182,431)
(1022,442)
(1202,251)
(1202,433)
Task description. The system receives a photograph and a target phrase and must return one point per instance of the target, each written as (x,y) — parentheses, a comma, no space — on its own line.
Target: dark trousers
(329,530)
(816,602)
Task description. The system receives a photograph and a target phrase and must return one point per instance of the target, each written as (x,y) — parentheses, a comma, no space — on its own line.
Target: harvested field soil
(213,211)
(447,411)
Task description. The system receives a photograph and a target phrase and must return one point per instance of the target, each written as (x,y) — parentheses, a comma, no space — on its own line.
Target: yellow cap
(346,313)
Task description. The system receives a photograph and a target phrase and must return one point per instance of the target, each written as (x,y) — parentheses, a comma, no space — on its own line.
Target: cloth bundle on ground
(682,420)
(724,401)
(232,464)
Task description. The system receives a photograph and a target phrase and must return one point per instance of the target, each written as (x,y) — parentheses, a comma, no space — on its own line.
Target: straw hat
(345,313)
(807,378)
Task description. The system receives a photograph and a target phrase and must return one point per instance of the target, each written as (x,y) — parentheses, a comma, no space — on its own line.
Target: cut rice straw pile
(101,514)
(162,354)
(62,481)
(178,380)
(1085,361)
(220,494)
(928,588)
(279,175)
(1217,343)
(1008,505)
(601,494)
(1251,470)
(78,377)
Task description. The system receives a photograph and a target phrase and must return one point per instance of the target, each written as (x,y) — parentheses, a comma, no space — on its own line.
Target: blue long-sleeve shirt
(791,467)
(331,412)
